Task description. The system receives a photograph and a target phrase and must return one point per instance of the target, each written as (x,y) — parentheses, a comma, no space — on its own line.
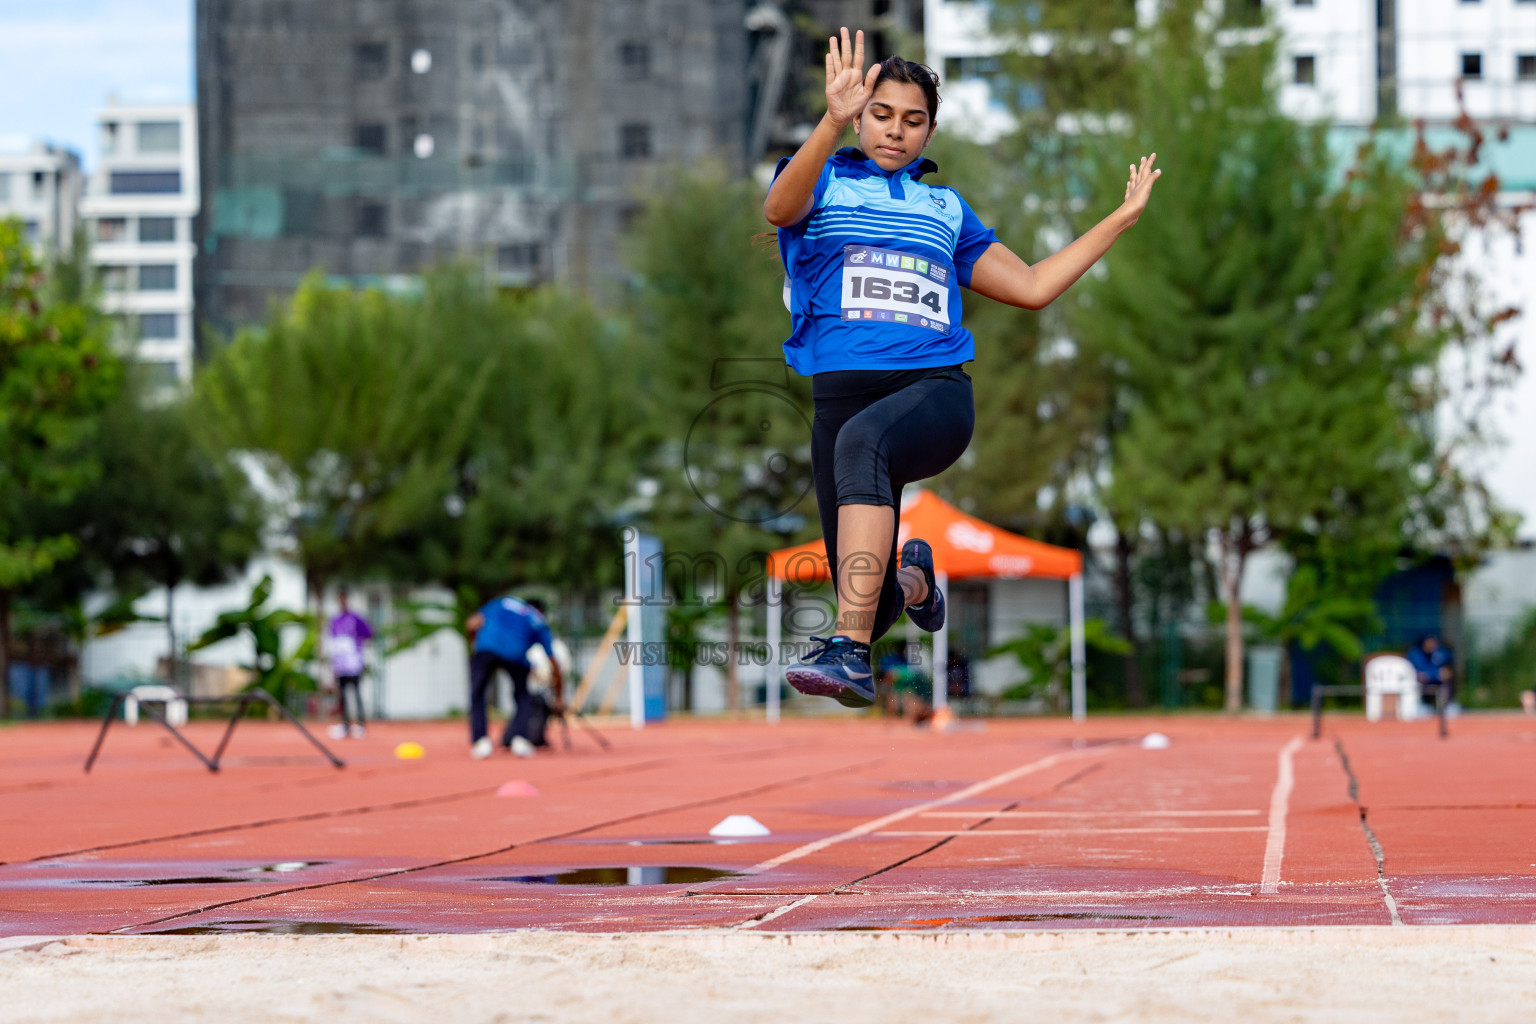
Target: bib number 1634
(895,287)
(868,287)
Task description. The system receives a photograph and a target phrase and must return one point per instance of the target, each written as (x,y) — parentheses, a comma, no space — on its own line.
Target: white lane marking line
(891,819)
(1279,807)
(802,901)
(1074,831)
(1090,814)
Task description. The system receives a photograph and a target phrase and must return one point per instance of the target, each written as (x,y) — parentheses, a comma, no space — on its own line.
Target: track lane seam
(840,890)
(290,819)
(364,809)
(1370,835)
(864,829)
(1001,779)
(704,802)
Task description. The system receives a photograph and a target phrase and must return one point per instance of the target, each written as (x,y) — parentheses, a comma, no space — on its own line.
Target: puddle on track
(234,876)
(986,919)
(282,928)
(131,883)
(644,874)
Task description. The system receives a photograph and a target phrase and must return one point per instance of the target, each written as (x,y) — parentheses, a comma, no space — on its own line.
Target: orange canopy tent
(963,547)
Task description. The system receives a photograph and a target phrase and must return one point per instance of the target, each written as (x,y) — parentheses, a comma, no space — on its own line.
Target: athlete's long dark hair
(910,72)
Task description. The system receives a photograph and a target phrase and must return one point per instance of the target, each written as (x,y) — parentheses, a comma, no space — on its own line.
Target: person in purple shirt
(348,633)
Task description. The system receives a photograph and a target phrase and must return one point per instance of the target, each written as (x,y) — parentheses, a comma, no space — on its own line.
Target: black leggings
(875,432)
(345,684)
(483,666)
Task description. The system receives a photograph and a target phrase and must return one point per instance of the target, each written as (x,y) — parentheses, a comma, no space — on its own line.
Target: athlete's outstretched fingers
(858,51)
(834,57)
(847,49)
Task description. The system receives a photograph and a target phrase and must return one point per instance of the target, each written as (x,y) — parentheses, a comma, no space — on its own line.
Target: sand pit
(1487,973)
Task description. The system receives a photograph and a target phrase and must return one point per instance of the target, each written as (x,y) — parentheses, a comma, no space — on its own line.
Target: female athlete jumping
(875,260)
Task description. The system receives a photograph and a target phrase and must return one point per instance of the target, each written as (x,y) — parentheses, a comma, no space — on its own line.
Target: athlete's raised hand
(1139,188)
(848,87)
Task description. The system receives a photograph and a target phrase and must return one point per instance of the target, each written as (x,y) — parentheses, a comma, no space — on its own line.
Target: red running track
(875,826)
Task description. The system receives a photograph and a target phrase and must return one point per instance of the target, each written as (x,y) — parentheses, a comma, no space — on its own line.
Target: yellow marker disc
(409,751)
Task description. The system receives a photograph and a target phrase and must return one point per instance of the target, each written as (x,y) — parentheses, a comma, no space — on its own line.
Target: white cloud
(62,59)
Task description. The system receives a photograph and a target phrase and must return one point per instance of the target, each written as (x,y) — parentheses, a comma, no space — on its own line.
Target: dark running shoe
(928,616)
(838,669)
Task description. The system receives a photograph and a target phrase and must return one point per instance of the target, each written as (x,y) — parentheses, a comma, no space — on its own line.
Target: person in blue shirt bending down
(503,631)
(874,261)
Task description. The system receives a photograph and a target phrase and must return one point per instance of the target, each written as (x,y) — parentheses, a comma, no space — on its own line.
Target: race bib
(883,285)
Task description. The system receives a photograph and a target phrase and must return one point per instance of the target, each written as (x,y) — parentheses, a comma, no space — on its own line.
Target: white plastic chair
(175,704)
(1390,673)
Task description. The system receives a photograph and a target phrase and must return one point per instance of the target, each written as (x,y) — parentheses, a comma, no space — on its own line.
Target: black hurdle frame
(581,720)
(1442,696)
(241,700)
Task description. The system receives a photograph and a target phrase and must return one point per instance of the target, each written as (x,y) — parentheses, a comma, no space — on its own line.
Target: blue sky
(59,59)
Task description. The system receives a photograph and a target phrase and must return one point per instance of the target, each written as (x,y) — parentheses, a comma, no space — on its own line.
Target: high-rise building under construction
(374,138)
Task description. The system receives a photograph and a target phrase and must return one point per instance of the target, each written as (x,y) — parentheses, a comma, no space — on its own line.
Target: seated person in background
(959,674)
(541,685)
(1435,663)
(892,664)
(539,672)
(906,688)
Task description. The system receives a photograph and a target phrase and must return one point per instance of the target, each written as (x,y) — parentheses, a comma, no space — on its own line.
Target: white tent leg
(941,649)
(775,611)
(636,637)
(1079,648)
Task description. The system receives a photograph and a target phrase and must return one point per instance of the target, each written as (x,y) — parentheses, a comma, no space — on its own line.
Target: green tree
(165,510)
(1312,616)
(356,408)
(57,372)
(1266,319)
(534,494)
(281,673)
(1045,654)
(459,436)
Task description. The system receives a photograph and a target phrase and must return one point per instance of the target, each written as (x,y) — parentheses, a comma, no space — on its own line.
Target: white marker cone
(1155,741)
(738,825)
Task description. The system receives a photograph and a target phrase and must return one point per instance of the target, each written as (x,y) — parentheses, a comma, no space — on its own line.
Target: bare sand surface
(1474,973)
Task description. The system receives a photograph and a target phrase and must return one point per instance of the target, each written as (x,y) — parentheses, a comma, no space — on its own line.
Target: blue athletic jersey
(511,627)
(874,271)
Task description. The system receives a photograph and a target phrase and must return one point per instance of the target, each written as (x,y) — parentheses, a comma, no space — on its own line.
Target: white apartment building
(1489,45)
(1346,60)
(41,188)
(959,44)
(1329,60)
(139,206)
(1350,59)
